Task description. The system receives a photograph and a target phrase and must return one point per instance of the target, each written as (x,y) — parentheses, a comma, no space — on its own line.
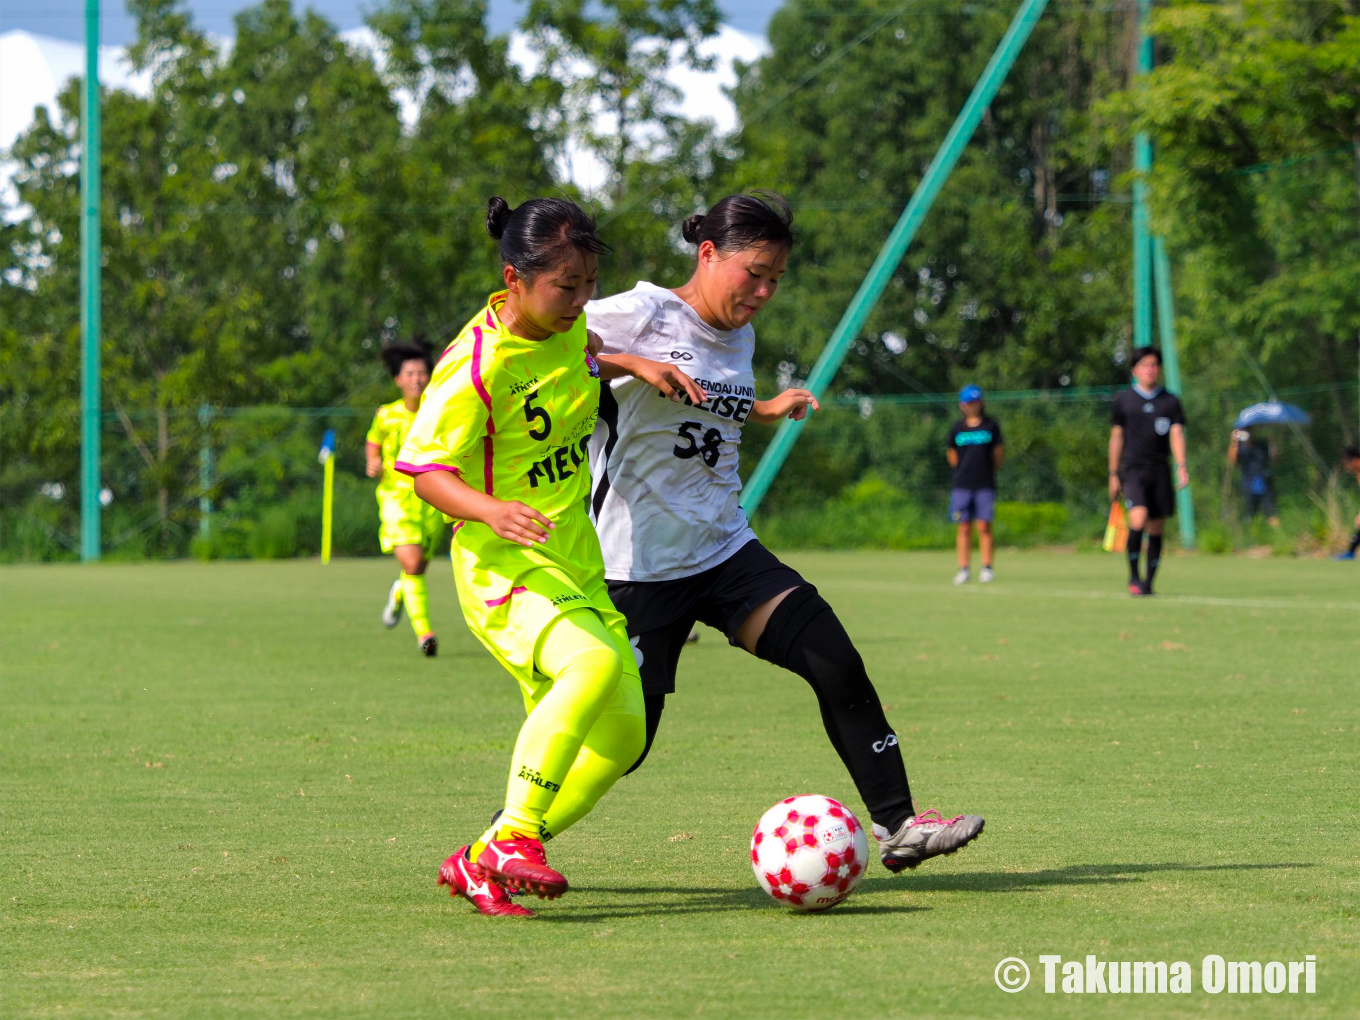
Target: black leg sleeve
(805,636)
(655,704)
(1154,556)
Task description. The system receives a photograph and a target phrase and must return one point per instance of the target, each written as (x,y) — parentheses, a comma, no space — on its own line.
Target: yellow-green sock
(417,602)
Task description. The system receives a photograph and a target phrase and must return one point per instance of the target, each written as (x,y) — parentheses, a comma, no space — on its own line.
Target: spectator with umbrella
(1252,450)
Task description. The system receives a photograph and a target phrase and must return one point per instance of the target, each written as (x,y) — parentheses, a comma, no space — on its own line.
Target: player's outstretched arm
(793,404)
(510,519)
(667,378)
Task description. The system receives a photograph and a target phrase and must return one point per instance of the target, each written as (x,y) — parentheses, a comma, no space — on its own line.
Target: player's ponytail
(541,233)
(739,222)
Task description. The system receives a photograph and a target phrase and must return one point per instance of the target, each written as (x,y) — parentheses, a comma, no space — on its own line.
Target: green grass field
(226,791)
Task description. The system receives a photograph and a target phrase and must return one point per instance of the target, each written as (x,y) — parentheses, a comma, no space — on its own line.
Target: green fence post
(871,289)
(1142,248)
(1166,321)
(90,202)
(205,461)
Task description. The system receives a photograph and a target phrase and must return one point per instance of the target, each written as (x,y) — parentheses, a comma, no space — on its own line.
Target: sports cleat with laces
(520,864)
(986,576)
(925,836)
(391,614)
(467,880)
(1139,589)
(962,576)
(429,646)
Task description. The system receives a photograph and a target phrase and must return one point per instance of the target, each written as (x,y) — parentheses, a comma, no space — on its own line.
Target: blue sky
(64,19)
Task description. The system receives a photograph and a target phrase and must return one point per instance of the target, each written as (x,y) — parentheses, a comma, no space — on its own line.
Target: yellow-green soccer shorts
(409,520)
(511,609)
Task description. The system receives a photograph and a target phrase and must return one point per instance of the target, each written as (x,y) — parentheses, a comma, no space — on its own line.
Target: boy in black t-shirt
(1147,425)
(974,452)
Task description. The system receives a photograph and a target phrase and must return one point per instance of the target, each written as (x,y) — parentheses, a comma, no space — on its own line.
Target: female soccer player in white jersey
(499,446)
(677,545)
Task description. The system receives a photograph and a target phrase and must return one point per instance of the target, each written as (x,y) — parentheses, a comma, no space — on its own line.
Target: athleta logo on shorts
(882,745)
(533,776)
(560,600)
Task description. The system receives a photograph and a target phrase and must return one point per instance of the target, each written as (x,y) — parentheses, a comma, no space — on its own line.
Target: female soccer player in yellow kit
(411,528)
(499,446)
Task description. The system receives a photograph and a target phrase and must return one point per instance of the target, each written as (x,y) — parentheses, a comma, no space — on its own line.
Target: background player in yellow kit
(411,528)
(499,446)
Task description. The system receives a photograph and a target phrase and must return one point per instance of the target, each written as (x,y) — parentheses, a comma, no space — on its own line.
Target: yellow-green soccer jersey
(512,418)
(406,519)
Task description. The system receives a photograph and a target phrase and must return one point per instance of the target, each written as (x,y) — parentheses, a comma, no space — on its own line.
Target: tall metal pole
(90,245)
(1171,363)
(1142,248)
(881,272)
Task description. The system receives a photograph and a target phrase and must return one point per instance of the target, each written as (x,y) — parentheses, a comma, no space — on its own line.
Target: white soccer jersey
(664,483)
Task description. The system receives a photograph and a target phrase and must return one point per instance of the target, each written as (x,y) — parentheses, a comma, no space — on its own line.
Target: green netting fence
(870,472)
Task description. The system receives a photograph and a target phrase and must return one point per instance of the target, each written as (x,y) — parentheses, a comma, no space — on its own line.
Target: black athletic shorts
(1150,486)
(662,613)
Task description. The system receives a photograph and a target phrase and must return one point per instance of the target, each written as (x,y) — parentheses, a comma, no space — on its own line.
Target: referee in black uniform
(1147,425)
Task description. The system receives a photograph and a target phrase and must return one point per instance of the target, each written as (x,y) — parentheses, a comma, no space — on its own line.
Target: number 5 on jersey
(540,414)
(709,449)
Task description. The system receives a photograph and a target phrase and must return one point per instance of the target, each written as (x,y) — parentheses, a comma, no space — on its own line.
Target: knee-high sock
(1154,556)
(805,636)
(655,704)
(583,666)
(1135,547)
(611,747)
(417,601)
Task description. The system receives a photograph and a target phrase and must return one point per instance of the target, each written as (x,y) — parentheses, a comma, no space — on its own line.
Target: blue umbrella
(1272,413)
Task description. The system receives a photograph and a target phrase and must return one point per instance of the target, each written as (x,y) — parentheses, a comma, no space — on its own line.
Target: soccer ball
(809,852)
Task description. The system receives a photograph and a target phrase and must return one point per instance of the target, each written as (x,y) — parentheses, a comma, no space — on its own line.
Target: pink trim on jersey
(407,468)
(493,603)
(488,454)
(456,527)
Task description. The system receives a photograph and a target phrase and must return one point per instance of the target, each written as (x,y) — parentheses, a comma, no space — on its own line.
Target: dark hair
(396,355)
(1139,353)
(739,222)
(541,233)
(1350,453)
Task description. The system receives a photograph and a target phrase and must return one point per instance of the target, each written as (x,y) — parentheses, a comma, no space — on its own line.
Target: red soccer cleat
(519,864)
(467,880)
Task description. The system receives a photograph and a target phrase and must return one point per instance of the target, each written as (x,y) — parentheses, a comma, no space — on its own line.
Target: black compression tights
(805,636)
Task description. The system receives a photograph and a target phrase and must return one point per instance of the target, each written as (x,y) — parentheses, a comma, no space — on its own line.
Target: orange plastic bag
(1117,529)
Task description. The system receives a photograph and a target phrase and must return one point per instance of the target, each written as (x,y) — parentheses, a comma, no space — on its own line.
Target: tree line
(270,219)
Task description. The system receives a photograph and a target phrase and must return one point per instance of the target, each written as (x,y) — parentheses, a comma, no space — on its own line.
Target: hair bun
(690,229)
(497,216)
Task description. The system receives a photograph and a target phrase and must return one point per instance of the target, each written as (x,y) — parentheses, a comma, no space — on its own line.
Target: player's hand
(516,522)
(793,404)
(373,468)
(594,343)
(1114,488)
(1182,476)
(668,379)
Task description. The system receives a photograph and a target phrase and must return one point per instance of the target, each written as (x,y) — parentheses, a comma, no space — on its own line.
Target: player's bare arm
(667,378)
(1116,452)
(998,455)
(372,460)
(793,404)
(1178,454)
(510,519)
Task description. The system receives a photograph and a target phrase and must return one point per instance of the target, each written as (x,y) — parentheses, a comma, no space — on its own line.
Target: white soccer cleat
(925,836)
(391,614)
(962,576)
(986,577)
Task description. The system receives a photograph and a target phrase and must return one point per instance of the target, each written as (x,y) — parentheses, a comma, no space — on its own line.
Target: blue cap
(970,393)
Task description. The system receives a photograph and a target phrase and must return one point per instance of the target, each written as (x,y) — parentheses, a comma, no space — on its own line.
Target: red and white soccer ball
(809,852)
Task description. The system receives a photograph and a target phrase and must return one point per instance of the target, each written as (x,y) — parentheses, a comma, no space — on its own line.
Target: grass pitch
(226,791)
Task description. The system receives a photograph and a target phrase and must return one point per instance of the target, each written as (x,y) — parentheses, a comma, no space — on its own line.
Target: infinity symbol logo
(882,745)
